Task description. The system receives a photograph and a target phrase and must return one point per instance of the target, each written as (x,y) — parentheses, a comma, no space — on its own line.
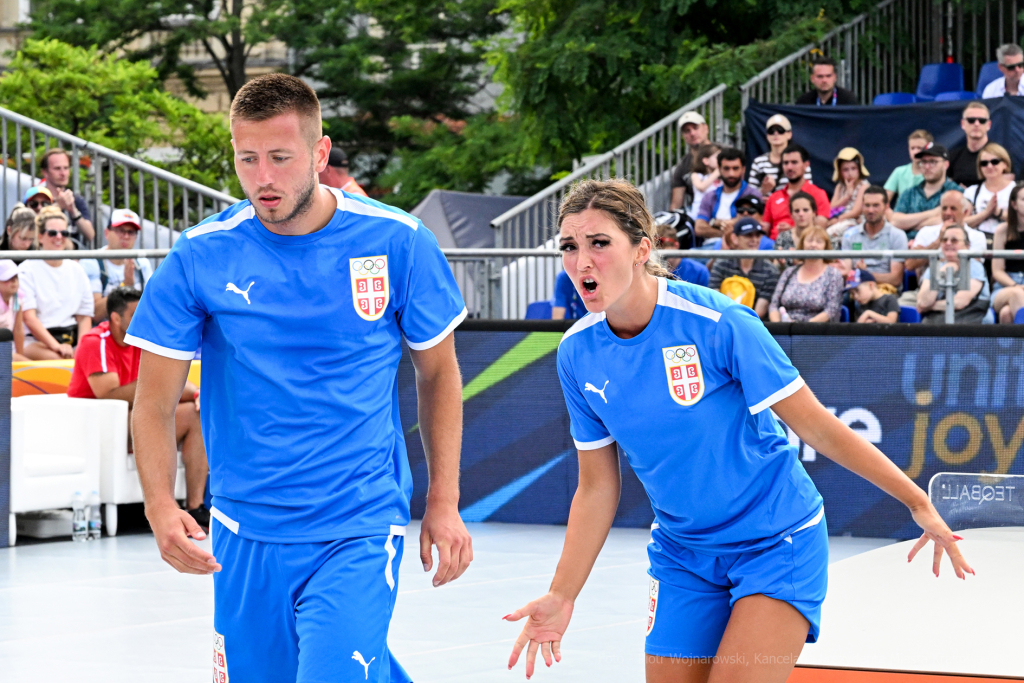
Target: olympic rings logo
(682,354)
(368,266)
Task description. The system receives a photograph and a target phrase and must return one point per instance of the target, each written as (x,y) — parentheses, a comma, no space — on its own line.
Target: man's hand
(129,273)
(172,527)
(65,199)
(442,526)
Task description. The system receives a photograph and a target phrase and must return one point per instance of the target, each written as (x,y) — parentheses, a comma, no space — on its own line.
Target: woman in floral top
(811,291)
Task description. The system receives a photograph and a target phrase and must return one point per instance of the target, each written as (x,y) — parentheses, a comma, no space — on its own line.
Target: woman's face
(991,165)
(9,288)
(21,240)
(52,238)
(953,240)
(850,170)
(1019,204)
(803,214)
(599,258)
(815,242)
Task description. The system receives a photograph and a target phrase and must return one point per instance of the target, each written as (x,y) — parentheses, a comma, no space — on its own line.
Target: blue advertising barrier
(931,403)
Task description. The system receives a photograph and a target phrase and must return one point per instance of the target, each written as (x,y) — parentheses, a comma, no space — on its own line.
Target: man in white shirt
(1011,63)
(954,208)
(108,274)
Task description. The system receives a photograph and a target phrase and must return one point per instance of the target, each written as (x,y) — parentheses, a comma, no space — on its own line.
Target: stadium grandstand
(221,433)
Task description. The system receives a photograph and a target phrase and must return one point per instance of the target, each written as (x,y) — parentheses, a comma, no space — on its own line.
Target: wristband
(75,219)
(195,396)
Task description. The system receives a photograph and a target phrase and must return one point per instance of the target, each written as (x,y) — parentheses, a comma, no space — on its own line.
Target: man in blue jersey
(300,297)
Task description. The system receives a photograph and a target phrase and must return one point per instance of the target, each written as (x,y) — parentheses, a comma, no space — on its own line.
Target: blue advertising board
(932,404)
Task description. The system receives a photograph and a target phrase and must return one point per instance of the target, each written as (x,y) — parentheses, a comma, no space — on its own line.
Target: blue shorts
(305,612)
(692,594)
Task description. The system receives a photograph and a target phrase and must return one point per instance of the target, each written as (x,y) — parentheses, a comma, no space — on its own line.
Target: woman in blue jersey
(739,550)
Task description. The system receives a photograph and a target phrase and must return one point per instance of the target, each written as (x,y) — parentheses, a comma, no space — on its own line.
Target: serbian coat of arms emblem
(685,378)
(370,286)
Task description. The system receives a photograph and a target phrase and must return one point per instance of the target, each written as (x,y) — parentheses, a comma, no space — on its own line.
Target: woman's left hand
(937,531)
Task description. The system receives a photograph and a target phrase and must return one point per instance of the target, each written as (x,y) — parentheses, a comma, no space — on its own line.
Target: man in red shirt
(795,161)
(106,367)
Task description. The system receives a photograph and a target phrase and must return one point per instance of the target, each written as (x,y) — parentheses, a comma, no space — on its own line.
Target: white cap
(692,117)
(779,120)
(123,217)
(8,269)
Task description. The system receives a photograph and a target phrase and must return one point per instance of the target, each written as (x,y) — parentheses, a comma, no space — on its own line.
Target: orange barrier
(30,378)
(814,675)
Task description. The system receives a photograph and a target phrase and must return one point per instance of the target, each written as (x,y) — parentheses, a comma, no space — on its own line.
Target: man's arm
(913,221)
(108,385)
(159,390)
(895,275)
(926,298)
(703,229)
(678,194)
(439,392)
(761,307)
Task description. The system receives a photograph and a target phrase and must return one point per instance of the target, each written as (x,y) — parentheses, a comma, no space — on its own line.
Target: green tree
(157,32)
(117,104)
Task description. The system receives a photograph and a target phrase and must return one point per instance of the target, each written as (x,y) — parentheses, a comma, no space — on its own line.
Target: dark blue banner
(932,404)
(880,133)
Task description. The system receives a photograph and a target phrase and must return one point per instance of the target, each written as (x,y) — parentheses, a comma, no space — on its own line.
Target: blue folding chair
(988,72)
(1018,319)
(956,96)
(844,314)
(539,310)
(909,314)
(890,98)
(936,78)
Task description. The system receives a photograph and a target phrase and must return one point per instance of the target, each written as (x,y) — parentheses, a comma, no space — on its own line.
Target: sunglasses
(36,205)
(62,233)
(667,242)
(746,211)
(951,240)
(976,119)
(993,162)
(776,130)
(1018,65)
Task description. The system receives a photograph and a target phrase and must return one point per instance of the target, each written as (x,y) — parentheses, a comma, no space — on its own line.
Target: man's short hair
(120,297)
(792,148)
(921,134)
(823,60)
(270,95)
(731,154)
(44,161)
(878,189)
(1008,50)
(975,104)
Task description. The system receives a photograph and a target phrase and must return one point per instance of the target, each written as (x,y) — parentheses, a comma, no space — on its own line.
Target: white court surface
(112,610)
(882,613)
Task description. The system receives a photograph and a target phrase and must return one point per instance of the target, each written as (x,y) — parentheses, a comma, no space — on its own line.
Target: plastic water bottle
(79,522)
(95,518)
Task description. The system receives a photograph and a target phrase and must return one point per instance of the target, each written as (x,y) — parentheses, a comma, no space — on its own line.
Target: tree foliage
(117,104)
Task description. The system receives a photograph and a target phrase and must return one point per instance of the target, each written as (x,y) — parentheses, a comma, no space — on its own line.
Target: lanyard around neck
(834,92)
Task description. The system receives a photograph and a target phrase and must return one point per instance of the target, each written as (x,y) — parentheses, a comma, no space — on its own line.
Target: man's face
(823,77)
(933,169)
(793,166)
(731,171)
(916,145)
(695,134)
(121,236)
(874,207)
(749,242)
(1012,67)
(277,165)
(331,177)
(976,123)
(58,170)
(123,320)
(952,208)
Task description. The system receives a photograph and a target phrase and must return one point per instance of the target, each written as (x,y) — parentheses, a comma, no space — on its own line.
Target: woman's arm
(925,296)
(40,333)
(822,431)
(84,325)
(964,297)
(998,264)
(19,332)
(590,518)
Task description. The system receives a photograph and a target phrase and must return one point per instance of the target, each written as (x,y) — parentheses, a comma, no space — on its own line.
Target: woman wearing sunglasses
(970,304)
(38,197)
(992,196)
(58,298)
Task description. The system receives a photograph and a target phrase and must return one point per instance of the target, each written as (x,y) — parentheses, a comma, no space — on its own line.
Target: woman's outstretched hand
(547,619)
(935,530)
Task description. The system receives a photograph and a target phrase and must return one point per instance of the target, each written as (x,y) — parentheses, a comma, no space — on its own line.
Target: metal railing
(501,283)
(106,179)
(646,159)
(883,50)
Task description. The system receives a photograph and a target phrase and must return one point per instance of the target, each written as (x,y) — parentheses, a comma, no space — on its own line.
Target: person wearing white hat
(10,306)
(694,129)
(766,170)
(107,275)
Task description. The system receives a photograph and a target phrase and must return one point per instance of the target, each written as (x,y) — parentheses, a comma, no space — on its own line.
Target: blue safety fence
(931,403)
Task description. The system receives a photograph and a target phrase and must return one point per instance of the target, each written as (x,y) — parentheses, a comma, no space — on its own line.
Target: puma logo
(590,387)
(366,665)
(245,295)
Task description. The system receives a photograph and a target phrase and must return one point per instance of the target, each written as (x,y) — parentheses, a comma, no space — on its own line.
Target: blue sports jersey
(568,298)
(301,339)
(687,400)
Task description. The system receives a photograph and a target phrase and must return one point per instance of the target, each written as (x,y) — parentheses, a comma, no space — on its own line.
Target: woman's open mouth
(589,286)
